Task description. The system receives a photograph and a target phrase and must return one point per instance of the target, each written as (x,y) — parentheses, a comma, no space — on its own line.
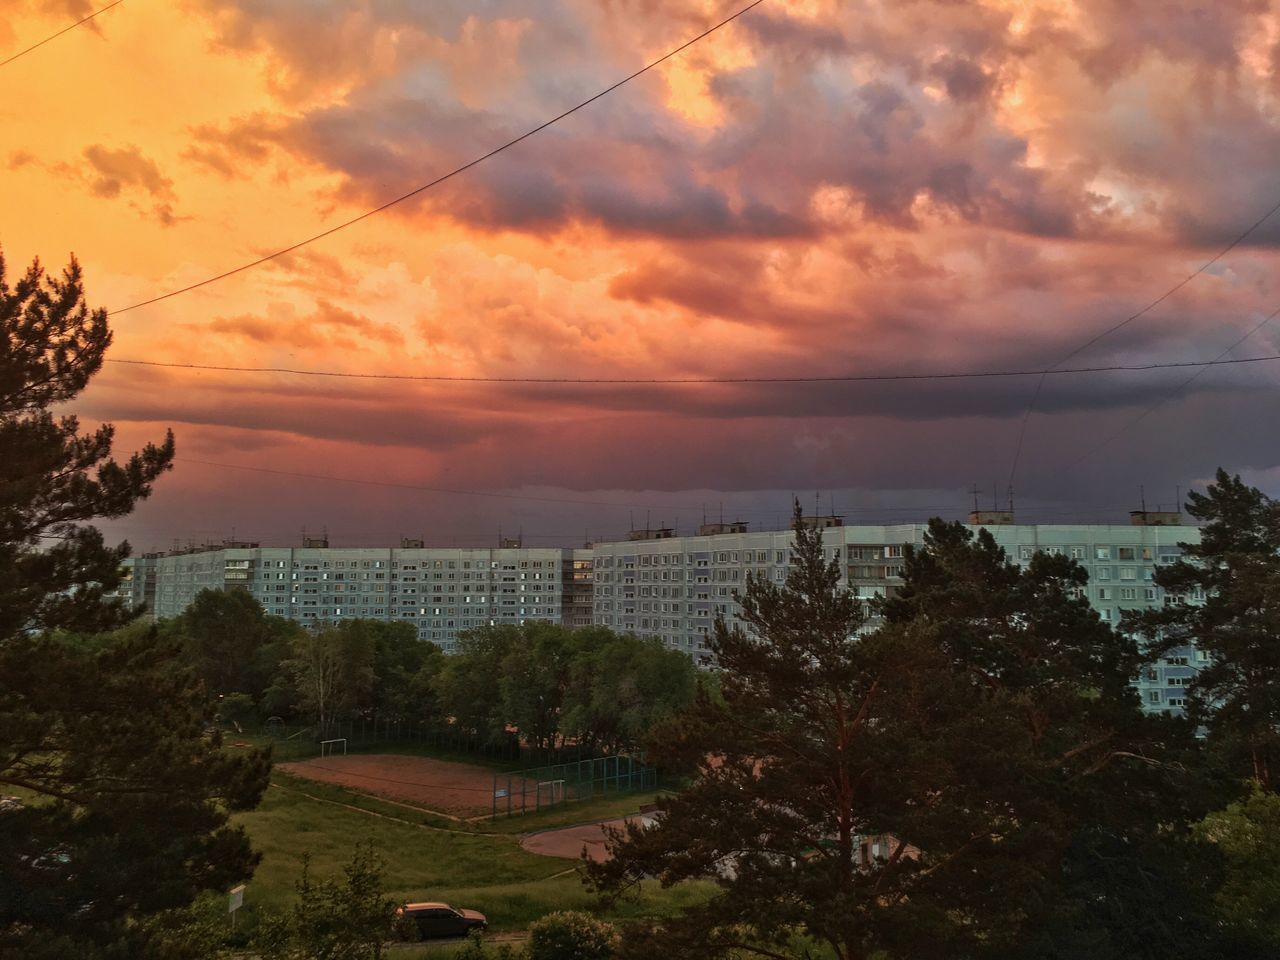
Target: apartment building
(440,591)
(655,583)
(672,587)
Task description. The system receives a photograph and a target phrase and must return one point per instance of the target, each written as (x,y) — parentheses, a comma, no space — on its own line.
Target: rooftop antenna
(704,514)
(975,498)
(1011,498)
(1142,497)
(817,502)
(1177,503)
(722,511)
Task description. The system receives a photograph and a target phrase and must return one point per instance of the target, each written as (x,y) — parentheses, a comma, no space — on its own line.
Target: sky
(821,188)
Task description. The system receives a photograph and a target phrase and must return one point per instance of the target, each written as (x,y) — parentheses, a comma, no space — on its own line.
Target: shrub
(568,935)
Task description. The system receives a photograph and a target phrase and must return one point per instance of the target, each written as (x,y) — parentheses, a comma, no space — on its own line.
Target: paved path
(569,841)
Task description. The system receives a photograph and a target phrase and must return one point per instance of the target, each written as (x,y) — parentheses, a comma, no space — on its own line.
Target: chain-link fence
(527,791)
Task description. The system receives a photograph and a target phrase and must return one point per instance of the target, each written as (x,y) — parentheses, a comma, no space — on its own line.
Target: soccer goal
(550,792)
(329,748)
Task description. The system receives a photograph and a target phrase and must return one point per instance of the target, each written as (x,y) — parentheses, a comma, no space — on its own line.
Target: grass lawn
(480,866)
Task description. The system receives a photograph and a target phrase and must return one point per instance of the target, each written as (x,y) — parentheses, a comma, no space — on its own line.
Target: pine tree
(125,793)
(1235,571)
(53,478)
(909,791)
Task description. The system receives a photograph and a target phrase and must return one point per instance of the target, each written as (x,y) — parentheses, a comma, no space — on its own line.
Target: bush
(237,710)
(569,935)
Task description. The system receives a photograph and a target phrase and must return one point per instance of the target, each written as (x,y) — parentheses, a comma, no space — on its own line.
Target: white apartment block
(656,584)
(441,592)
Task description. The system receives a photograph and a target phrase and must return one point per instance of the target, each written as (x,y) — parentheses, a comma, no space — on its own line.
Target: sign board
(236,899)
(499,794)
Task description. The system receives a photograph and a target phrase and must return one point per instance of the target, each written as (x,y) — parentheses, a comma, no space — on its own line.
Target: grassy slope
(482,867)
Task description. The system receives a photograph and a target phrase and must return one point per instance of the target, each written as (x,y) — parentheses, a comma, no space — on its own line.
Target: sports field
(457,790)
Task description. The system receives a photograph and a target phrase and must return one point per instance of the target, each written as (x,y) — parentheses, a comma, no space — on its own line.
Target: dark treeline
(550,686)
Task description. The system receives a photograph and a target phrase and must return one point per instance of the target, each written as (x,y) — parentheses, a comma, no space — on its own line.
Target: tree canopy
(594,688)
(908,790)
(124,791)
(1223,596)
(53,478)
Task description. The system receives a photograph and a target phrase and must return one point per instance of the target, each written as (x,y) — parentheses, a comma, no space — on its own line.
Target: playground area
(455,789)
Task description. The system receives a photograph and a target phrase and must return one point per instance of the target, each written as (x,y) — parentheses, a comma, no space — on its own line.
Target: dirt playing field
(568,842)
(456,789)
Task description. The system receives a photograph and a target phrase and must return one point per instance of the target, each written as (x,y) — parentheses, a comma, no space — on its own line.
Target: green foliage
(475,949)
(593,687)
(237,710)
(333,667)
(570,935)
(972,738)
(404,669)
(1247,836)
(470,683)
(353,920)
(133,791)
(126,821)
(1236,569)
(233,644)
(621,686)
(535,673)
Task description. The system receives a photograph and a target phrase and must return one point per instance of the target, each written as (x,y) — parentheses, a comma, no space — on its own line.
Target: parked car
(439,920)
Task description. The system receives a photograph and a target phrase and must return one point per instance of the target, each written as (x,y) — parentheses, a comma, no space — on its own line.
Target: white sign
(499,794)
(236,900)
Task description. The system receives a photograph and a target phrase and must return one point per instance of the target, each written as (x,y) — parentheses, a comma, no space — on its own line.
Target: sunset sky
(820,188)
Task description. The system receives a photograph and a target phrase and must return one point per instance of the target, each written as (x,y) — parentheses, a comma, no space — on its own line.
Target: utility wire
(1218,360)
(641,381)
(1035,396)
(441,179)
(35,46)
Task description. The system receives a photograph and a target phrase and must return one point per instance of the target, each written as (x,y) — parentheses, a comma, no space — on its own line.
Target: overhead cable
(36,46)
(1217,361)
(1035,396)
(441,179)
(676,381)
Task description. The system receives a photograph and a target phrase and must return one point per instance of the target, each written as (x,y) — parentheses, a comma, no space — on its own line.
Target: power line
(641,381)
(452,173)
(23,53)
(1174,392)
(1035,396)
